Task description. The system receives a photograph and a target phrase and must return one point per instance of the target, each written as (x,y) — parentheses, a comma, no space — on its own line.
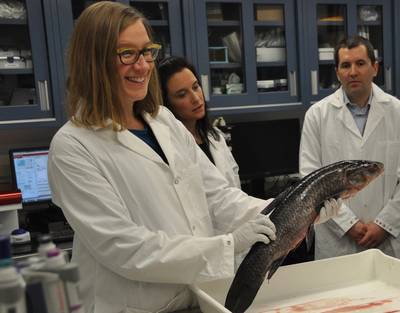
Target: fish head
(358,174)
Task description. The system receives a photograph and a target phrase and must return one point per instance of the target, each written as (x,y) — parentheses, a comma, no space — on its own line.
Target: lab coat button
(176,180)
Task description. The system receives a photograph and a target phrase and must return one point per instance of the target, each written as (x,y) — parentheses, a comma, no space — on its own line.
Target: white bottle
(45,244)
(68,272)
(12,286)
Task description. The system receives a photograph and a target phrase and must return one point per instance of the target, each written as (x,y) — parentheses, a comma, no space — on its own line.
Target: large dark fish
(293,211)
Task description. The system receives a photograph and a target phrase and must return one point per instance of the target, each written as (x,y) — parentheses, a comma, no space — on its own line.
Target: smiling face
(356,72)
(186,97)
(134,77)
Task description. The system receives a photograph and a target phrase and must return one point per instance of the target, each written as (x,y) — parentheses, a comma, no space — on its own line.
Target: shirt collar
(354,107)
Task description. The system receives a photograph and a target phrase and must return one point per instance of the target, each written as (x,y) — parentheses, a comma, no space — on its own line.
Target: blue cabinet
(28,71)
(247,53)
(328,23)
(163,15)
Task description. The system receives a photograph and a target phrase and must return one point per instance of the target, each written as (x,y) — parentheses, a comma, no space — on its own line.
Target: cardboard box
(369,280)
(265,12)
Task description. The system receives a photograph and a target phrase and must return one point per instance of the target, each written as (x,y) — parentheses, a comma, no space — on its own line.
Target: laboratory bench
(24,251)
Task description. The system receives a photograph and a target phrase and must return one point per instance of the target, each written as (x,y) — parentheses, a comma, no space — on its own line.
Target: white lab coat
(144,229)
(330,134)
(224,160)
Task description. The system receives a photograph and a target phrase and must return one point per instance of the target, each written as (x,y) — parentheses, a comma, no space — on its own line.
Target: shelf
(326,62)
(224,65)
(374,23)
(15,71)
(269,24)
(331,23)
(271,64)
(223,23)
(158,22)
(9,21)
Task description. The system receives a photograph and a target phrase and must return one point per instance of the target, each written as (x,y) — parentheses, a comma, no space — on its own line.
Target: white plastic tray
(363,282)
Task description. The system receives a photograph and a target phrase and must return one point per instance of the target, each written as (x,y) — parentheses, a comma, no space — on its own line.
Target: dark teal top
(148,137)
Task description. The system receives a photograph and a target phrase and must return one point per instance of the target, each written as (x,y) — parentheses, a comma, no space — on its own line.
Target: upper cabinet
(328,23)
(247,52)
(27,64)
(164,18)
(163,15)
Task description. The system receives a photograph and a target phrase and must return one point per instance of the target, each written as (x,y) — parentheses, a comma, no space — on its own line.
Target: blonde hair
(93,84)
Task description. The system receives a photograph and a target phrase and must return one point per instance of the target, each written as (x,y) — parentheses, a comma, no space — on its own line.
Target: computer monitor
(266,148)
(29,174)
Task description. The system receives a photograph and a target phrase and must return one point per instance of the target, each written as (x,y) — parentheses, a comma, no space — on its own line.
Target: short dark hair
(353,42)
(168,67)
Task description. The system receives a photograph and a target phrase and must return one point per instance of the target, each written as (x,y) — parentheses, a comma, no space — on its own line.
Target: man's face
(356,73)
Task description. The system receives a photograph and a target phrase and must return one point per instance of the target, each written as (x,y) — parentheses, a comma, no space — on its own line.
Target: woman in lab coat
(144,200)
(183,95)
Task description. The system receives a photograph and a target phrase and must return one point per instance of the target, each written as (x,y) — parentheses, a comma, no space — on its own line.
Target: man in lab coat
(358,121)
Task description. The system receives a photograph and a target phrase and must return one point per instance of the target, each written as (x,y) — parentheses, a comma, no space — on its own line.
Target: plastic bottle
(12,286)
(45,244)
(68,272)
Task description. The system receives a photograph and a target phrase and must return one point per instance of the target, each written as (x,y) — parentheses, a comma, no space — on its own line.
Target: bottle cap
(5,247)
(55,258)
(45,239)
(20,235)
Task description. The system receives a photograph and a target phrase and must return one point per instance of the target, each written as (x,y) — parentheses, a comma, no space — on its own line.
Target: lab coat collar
(375,114)
(137,145)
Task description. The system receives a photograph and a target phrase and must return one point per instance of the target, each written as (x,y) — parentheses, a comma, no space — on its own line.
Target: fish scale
(293,212)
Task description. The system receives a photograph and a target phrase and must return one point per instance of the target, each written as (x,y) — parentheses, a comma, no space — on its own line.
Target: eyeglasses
(129,56)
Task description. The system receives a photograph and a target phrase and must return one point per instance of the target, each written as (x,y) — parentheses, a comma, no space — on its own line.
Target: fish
(293,212)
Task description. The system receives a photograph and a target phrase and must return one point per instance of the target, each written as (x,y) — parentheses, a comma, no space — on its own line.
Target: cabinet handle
(205,86)
(293,83)
(388,78)
(314,83)
(43,95)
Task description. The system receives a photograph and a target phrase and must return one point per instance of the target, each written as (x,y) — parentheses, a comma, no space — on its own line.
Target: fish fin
(274,266)
(277,201)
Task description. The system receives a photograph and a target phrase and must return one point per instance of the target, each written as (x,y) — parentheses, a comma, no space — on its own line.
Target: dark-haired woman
(184,96)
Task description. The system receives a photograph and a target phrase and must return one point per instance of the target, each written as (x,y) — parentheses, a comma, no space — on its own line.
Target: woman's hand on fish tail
(330,209)
(373,237)
(357,231)
(258,229)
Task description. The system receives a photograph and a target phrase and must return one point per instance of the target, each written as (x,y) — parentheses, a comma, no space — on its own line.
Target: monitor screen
(29,174)
(266,148)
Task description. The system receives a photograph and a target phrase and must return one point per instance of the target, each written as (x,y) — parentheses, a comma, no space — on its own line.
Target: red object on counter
(10,197)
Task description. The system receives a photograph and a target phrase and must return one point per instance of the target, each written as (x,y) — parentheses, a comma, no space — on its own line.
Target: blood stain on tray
(337,305)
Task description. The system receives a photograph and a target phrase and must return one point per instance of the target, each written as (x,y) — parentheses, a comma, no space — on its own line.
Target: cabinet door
(163,15)
(331,21)
(275,49)
(374,23)
(225,52)
(164,18)
(25,85)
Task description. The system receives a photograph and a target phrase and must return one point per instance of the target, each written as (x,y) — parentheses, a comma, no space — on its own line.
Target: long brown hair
(93,84)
